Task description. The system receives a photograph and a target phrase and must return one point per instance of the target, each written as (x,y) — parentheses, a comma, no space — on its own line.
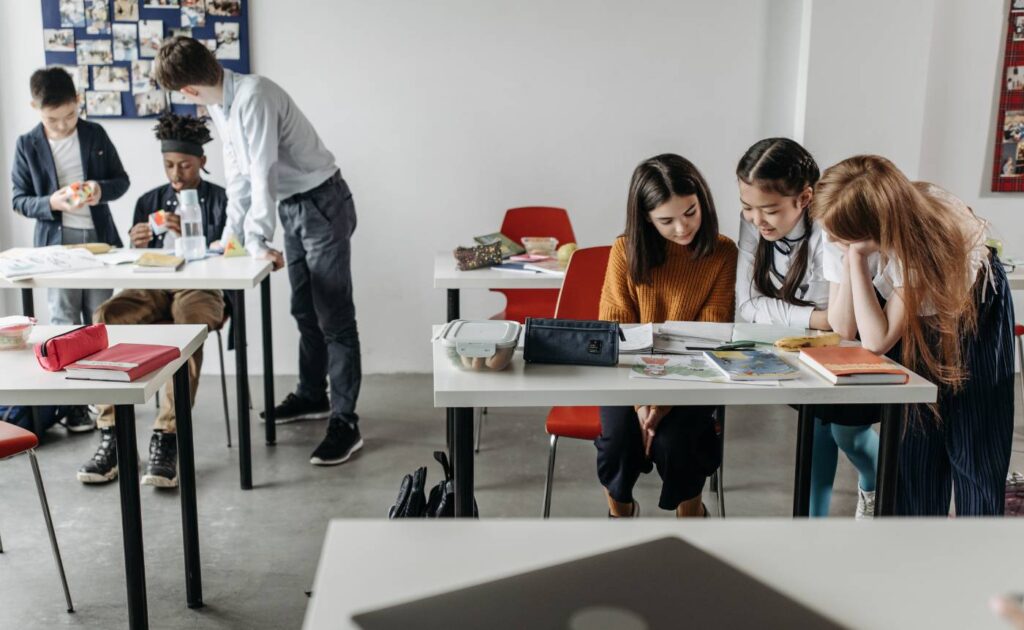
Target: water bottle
(193,243)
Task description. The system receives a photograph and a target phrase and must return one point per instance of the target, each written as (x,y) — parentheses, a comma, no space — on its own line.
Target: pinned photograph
(210,44)
(142,80)
(110,79)
(97,17)
(89,52)
(1018,5)
(224,8)
(79,75)
(179,32)
(126,46)
(1015,78)
(59,39)
(1018,28)
(151,36)
(103,103)
(1008,164)
(193,13)
(150,103)
(1013,127)
(161,4)
(228,44)
(126,10)
(72,13)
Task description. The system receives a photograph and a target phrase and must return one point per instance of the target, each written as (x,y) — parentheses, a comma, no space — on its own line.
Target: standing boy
(274,157)
(61,151)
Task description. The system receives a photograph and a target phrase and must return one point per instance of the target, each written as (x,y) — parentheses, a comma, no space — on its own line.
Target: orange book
(853,365)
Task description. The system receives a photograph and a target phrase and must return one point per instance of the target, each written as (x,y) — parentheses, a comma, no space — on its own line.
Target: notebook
(751,365)
(125,362)
(853,366)
(654,585)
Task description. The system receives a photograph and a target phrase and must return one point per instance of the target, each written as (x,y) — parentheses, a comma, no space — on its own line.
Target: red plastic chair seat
(583,423)
(523,303)
(14,440)
(1018,329)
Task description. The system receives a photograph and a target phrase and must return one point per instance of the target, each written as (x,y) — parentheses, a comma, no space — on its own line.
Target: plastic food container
(15,331)
(485,345)
(540,245)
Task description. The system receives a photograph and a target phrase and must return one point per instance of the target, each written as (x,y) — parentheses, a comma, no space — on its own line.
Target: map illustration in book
(751,365)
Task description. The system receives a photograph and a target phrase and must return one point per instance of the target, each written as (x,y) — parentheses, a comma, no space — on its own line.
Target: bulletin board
(108,47)
(1008,162)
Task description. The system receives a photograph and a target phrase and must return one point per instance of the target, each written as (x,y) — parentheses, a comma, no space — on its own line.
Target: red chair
(533,221)
(14,441)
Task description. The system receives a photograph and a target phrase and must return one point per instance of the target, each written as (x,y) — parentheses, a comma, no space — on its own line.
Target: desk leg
(268,363)
(28,304)
(131,515)
(453,304)
(888,459)
(242,393)
(462,464)
(453,314)
(804,454)
(187,483)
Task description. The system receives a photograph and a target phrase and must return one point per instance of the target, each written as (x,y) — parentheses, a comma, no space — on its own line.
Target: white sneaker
(865,505)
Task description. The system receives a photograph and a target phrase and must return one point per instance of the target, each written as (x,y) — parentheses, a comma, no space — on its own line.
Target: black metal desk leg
(242,392)
(28,305)
(453,314)
(187,484)
(462,464)
(888,459)
(804,454)
(268,363)
(453,304)
(131,516)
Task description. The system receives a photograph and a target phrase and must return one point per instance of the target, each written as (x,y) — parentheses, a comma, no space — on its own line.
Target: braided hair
(784,167)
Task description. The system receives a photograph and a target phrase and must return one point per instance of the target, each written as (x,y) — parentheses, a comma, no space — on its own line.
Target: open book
(25,262)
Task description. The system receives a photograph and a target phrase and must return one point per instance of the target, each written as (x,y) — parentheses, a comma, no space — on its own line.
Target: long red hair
(867,197)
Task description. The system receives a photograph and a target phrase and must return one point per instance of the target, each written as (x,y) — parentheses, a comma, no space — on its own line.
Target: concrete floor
(260,548)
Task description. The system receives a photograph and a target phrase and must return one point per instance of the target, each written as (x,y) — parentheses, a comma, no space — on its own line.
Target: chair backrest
(580,297)
(538,221)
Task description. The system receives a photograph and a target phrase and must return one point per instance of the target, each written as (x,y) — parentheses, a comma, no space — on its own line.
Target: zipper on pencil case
(42,348)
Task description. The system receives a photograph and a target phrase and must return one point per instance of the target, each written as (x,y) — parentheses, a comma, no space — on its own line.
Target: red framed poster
(1008,162)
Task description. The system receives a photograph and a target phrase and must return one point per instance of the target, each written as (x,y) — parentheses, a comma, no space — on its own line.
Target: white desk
(234,275)
(24,382)
(446,276)
(1016,279)
(896,573)
(523,385)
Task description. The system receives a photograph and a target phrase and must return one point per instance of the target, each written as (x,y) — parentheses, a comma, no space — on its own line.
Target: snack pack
(158,222)
(79,192)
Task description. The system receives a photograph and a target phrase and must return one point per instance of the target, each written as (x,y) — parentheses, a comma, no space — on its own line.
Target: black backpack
(412,501)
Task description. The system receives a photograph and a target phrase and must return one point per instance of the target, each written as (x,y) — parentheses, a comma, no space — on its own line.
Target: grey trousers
(317,227)
(75,306)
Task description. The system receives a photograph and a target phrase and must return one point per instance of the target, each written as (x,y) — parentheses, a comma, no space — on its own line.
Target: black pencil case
(571,342)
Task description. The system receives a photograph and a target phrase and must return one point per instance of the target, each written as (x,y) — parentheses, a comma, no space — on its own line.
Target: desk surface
(24,382)
(1016,279)
(446,276)
(533,385)
(939,573)
(215,272)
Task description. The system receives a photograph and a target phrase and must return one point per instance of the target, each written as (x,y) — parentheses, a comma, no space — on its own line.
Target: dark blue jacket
(34,179)
(213,201)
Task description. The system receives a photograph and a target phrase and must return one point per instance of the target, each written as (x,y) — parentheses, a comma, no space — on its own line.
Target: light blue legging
(861,447)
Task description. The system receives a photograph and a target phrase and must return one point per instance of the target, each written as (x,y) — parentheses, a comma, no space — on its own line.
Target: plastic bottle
(193,243)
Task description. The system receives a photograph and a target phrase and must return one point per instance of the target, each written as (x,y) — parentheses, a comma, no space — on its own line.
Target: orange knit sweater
(682,289)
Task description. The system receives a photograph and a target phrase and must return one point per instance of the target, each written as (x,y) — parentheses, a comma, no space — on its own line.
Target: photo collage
(108,47)
(1008,172)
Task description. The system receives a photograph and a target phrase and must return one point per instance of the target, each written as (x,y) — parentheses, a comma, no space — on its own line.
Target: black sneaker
(78,420)
(103,465)
(162,467)
(294,409)
(341,441)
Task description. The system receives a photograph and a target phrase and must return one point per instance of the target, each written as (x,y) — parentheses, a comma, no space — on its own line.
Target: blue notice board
(108,47)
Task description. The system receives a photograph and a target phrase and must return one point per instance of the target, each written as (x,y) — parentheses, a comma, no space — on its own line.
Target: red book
(124,362)
(853,365)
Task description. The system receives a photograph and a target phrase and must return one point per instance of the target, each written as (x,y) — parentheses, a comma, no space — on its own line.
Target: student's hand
(650,417)
(863,248)
(97,192)
(1009,608)
(173,222)
(275,257)
(61,200)
(140,234)
(819,320)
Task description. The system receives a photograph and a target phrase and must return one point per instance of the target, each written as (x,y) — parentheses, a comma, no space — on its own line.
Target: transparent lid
(501,333)
(189,197)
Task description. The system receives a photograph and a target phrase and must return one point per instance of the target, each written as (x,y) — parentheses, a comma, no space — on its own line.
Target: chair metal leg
(551,475)
(49,528)
(720,473)
(1,545)
(479,428)
(1020,375)
(224,387)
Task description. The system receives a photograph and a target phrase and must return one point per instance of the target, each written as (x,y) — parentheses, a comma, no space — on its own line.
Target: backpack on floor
(21,416)
(412,501)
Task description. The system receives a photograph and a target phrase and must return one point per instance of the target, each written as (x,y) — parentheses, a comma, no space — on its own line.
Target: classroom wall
(443,114)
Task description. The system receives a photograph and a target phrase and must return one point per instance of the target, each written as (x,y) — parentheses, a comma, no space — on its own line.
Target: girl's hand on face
(863,248)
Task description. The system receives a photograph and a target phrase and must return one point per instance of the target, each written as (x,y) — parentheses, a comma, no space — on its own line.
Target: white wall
(444,114)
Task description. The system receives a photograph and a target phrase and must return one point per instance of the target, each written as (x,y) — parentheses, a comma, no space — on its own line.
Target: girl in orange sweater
(671,264)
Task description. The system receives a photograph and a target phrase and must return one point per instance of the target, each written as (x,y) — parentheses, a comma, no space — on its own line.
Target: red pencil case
(62,350)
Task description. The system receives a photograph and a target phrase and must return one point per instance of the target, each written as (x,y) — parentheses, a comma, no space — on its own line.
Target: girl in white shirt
(780,280)
(911,275)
